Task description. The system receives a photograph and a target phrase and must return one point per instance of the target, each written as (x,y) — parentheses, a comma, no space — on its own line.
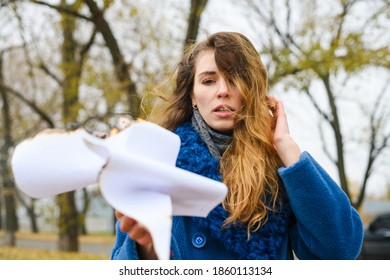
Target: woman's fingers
(126,223)
(135,230)
(140,234)
(118,214)
(284,144)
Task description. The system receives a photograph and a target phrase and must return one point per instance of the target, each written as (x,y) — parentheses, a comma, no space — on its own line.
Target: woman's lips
(223,111)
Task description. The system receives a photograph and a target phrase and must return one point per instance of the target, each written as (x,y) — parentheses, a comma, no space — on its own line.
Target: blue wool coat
(316,220)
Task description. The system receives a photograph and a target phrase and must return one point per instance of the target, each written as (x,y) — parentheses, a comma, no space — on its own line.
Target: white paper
(55,162)
(135,170)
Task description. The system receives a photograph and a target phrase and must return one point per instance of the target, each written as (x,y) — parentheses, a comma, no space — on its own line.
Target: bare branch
(378,101)
(375,149)
(63,9)
(324,145)
(341,17)
(317,107)
(4,3)
(287,39)
(121,68)
(29,60)
(85,48)
(288,17)
(290,37)
(29,103)
(45,69)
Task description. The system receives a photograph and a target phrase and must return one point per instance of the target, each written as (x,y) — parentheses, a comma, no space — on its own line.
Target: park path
(94,247)
(85,247)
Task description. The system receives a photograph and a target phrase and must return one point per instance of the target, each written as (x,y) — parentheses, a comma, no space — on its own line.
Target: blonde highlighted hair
(249,165)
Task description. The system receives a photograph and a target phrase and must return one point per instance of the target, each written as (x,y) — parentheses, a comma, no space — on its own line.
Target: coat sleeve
(327,226)
(124,248)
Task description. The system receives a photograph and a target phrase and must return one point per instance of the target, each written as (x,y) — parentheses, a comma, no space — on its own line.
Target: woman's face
(216,101)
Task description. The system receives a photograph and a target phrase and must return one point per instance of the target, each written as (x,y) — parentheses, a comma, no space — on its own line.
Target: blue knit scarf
(264,243)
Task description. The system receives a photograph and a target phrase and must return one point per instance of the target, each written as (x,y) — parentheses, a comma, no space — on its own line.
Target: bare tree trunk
(50,123)
(68,223)
(196,10)
(335,123)
(30,212)
(33,217)
(73,55)
(1,211)
(11,221)
(83,213)
(121,68)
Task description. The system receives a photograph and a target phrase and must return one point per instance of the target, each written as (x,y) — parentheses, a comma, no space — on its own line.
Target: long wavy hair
(249,165)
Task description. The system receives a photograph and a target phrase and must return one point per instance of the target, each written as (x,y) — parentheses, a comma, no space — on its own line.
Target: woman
(279,199)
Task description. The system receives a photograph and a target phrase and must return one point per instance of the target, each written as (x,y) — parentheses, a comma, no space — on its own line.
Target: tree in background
(73,55)
(321,46)
(8,191)
(15,107)
(78,71)
(196,9)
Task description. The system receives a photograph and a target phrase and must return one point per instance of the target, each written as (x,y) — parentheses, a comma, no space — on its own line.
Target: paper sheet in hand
(135,170)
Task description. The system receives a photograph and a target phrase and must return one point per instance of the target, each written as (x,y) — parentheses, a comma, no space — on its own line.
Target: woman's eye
(207,82)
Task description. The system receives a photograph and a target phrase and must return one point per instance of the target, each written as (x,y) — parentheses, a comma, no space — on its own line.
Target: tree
(72,57)
(11,224)
(307,46)
(57,68)
(71,68)
(122,69)
(68,222)
(196,9)
(8,91)
(12,112)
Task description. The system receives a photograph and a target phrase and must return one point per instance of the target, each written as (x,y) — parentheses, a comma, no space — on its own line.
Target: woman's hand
(284,144)
(139,234)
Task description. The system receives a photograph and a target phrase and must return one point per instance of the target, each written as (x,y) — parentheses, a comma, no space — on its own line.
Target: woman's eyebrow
(206,73)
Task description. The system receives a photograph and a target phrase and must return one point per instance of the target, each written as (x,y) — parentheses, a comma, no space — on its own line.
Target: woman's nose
(223,89)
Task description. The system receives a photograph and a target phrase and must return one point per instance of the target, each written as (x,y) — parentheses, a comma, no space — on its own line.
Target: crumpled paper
(135,170)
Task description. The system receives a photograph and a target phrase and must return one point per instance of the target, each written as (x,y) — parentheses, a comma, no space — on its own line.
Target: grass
(21,253)
(91,238)
(18,253)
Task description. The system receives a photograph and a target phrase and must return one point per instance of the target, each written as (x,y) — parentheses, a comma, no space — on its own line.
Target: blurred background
(70,63)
